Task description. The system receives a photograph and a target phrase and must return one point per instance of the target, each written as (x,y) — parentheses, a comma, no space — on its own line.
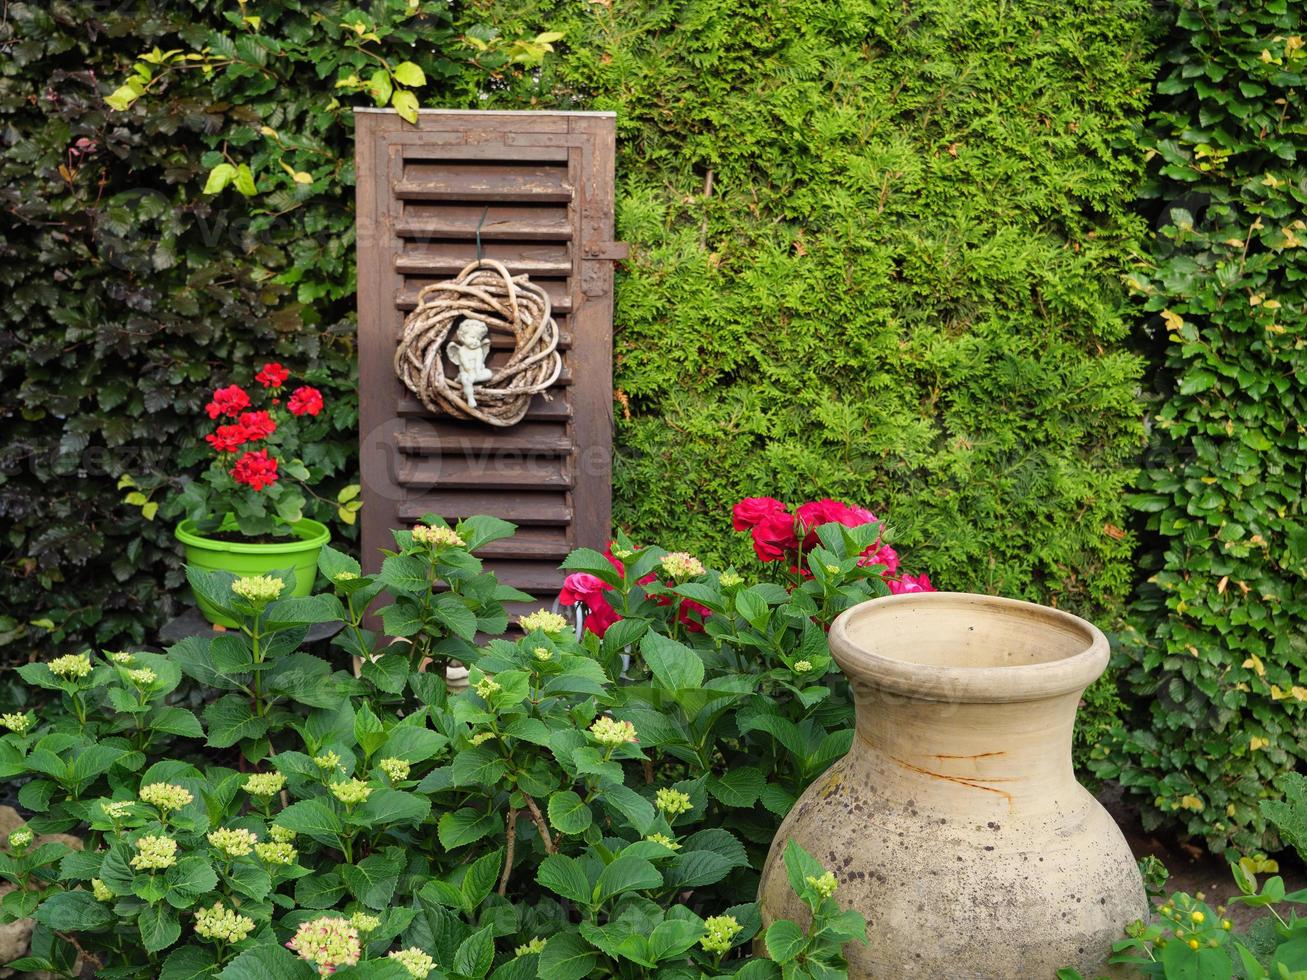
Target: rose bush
(590,806)
(781,534)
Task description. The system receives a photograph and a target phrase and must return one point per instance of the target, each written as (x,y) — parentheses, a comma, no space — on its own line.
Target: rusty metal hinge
(611,251)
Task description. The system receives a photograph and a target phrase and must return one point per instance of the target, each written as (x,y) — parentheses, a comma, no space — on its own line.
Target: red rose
(583,587)
(272,375)
(227,438)
(752,511)
(231,400)
(601,616)
(257,425)
(773,536)
(905,584)
(255,469)
(305,401)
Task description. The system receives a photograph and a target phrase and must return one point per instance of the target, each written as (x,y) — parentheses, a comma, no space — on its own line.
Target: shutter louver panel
(540,188)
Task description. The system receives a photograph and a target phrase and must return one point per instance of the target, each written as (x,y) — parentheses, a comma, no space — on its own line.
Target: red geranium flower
(255,469)
(272,375)
(257,425)
(305,401)
(227,438)
(231,400)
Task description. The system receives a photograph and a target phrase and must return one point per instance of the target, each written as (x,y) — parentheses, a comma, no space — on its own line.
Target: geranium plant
(255,485)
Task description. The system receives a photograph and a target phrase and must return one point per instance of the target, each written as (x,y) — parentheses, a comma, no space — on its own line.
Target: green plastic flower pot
(299,553)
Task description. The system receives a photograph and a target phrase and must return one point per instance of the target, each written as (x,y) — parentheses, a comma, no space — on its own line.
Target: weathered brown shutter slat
(407,299)
(539,189)
(550,509)
(538,437)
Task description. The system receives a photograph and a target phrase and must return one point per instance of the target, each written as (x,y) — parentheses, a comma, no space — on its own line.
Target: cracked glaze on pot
(955,824)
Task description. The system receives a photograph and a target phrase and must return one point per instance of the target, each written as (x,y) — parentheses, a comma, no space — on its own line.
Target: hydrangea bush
(591,805)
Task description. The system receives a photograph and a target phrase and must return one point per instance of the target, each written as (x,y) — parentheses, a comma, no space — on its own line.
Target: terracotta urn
(955,824)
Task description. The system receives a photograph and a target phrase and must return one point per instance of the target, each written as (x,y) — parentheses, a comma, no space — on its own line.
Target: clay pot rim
(999,684)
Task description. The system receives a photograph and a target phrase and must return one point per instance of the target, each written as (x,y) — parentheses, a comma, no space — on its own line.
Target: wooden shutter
(540,184)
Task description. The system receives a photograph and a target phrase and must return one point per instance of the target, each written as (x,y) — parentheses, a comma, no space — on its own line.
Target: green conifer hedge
(877,251)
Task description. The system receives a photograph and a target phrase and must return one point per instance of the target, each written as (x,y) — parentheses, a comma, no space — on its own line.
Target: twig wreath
(485,297)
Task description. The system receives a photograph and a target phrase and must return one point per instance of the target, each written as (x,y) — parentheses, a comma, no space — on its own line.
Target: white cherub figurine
(468,350)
